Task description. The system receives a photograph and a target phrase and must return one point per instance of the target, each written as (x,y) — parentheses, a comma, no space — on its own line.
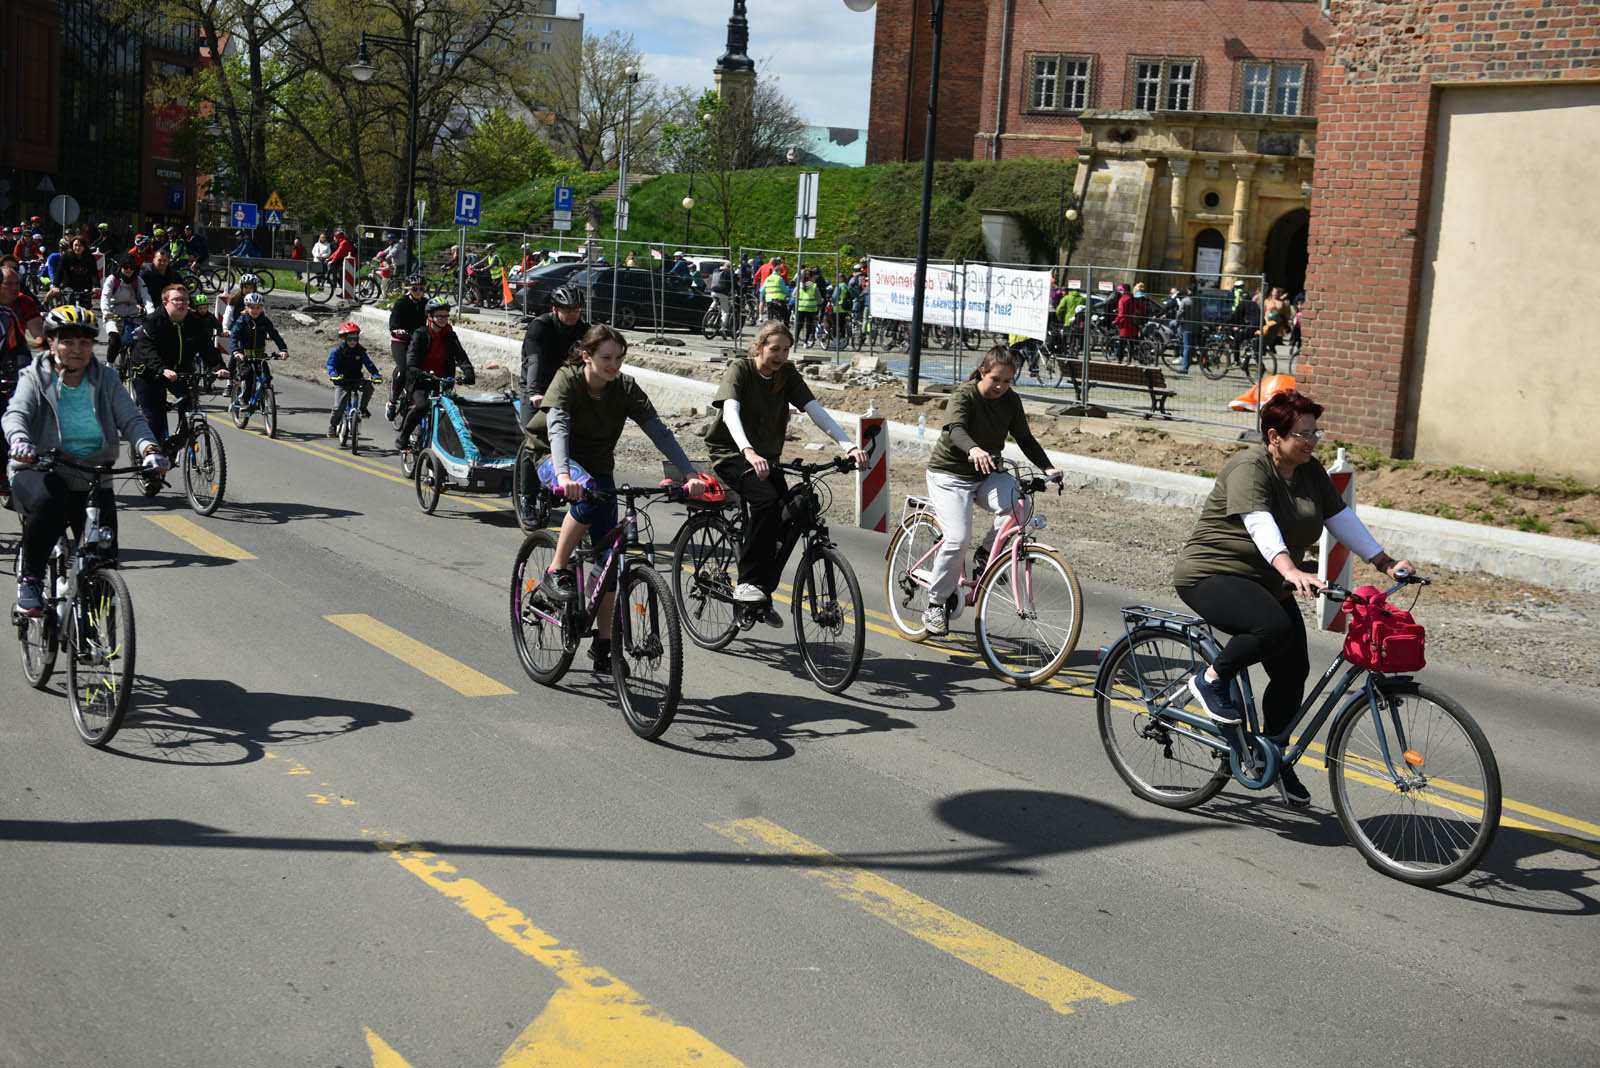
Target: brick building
(1191,121)
(1452,266)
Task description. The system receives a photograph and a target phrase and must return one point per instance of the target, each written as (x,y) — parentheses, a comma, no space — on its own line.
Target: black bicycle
(830,625)
(88,613)
(197,448)
(646,645)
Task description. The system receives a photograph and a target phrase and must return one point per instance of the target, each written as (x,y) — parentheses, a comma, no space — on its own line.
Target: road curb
(1558,563)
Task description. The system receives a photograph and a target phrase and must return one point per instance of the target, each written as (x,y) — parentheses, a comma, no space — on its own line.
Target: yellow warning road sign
(274,202)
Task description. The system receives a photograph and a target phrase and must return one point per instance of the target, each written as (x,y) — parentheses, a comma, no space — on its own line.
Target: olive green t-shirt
(987,423)
(1250,482)
(764,404)
(597,421)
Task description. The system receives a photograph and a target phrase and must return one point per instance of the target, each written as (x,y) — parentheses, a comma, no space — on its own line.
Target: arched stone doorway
(1285,261)
(1208,245)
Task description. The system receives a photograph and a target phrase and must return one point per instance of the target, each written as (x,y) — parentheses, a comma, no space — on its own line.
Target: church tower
(735,70)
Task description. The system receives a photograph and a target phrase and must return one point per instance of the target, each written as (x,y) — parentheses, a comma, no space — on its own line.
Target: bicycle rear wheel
(647,652)
(1430,819)
(205,469)
(704,567)
(320,286)
(1215,357)
(710,323)
(1161,760)
(429,479)
(538,628)
(268,403)
(905,581)
(830,625)
(269,281)
(100,650)
(1027,630)
(354,419)
(37,634)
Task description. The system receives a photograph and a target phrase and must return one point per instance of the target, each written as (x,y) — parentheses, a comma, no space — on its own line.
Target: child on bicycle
(573,439)
(965,466)
(746,443)
(251,332)
(345,366)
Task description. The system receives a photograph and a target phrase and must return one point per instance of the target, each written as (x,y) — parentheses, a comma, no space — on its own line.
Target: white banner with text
(999,300)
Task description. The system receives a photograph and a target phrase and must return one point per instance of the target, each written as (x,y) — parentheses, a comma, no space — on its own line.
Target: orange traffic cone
(1248,402)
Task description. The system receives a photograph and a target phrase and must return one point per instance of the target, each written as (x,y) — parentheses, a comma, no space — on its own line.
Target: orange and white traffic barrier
(872,484)
(349,266)
(1248,400)
(1333,559)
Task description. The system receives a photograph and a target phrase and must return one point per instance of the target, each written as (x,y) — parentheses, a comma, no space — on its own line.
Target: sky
(819,51)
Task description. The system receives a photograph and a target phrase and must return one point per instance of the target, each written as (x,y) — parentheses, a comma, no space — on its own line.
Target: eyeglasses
(1312,436)
(177,300)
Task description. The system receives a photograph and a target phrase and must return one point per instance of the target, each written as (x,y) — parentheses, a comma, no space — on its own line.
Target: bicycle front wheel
(905,581)
(205,469)
(269,410)
(1027,623)
(429,480)
(538,628)
(711,322)
(355,430)
(1162,760)
(319,286)
(704,568)
(647,652)
(1427,812)
(830,626)
(1215,358)
(100,650)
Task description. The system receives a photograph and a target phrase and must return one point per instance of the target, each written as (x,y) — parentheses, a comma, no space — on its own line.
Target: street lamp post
(622,193)
(688,201)
(408,48)
(936,19)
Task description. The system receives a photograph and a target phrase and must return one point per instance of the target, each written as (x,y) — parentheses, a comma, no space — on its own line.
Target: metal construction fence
(1198,357)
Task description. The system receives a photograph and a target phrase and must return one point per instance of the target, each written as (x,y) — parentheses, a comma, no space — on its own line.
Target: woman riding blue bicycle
(572,440)
(1245,561)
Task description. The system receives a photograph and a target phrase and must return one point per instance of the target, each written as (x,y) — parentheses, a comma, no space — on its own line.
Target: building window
(548,28)
(1272,88)
(1164,84)
(1059,83)
(544,46)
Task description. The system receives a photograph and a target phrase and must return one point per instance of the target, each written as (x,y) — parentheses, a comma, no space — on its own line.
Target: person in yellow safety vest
(775,294)
(1071,301)
(807,303)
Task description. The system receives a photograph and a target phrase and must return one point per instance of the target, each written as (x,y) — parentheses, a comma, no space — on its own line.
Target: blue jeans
(1187,337)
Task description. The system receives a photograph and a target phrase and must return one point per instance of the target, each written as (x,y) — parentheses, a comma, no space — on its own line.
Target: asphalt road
(303,849)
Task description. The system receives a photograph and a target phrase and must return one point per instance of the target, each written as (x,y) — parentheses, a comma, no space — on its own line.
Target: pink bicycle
(1029,606)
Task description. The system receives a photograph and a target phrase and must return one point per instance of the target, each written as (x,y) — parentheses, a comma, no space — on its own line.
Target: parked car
(640,295)
(542,281)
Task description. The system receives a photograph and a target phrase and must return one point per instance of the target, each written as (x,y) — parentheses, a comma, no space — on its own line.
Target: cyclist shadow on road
(1028,824)
(277,513)
(766,726)
(1535,871)
(149,560)
(906,685)
(214,722)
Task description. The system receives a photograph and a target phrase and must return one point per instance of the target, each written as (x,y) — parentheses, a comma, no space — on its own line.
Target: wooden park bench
(1139,378)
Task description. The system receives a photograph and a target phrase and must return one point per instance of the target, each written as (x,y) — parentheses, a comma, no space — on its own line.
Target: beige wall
(1507,349)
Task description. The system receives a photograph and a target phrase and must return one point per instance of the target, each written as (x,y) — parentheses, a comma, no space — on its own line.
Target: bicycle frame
(622,544)
(1256,765)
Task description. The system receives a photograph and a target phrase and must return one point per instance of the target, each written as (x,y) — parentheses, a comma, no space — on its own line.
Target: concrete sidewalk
(1558,563)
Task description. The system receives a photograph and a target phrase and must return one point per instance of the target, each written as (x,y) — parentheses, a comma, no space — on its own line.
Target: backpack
(1380,637)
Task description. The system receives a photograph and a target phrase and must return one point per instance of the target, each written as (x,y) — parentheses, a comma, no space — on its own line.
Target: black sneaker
(1291,789)
(1215,699)
(560,585)
(771,617)
(600,658)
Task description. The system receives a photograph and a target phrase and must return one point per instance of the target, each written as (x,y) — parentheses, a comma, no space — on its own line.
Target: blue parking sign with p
(467,204)
(563,198)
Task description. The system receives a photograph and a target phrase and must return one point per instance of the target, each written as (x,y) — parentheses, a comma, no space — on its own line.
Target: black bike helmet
(567,296)
(416,281)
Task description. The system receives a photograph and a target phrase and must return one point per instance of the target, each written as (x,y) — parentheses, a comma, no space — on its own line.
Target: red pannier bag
(1381,637)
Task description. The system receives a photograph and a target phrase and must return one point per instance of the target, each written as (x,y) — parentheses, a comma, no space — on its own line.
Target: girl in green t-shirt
(746,443)
(965,466)
(573,439)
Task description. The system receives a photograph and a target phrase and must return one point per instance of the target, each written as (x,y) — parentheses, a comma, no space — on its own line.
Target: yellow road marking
(453,673)
(368,468)
(1054,984)
(595,1019)
(200,537)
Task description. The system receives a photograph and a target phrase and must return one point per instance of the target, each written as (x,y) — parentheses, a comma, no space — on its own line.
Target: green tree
(500,152)
(592,108)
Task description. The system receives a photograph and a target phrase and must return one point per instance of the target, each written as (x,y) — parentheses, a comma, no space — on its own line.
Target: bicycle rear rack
(1135,614)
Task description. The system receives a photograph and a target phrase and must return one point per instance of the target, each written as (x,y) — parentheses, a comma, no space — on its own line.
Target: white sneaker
(749,593)
(933,620)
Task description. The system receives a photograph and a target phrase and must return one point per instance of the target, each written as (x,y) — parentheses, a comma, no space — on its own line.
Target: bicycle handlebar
(1334,592)
(46,461)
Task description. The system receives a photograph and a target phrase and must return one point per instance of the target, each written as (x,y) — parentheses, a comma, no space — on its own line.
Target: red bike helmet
(349,328)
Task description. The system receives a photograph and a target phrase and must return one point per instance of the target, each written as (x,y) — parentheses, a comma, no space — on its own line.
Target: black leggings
(48,507)
(1264,631)
(766,545)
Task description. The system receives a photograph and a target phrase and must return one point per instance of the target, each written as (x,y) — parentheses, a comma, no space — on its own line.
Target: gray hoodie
(34,416)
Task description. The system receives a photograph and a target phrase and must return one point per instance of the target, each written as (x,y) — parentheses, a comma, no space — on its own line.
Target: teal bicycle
(1414,782)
